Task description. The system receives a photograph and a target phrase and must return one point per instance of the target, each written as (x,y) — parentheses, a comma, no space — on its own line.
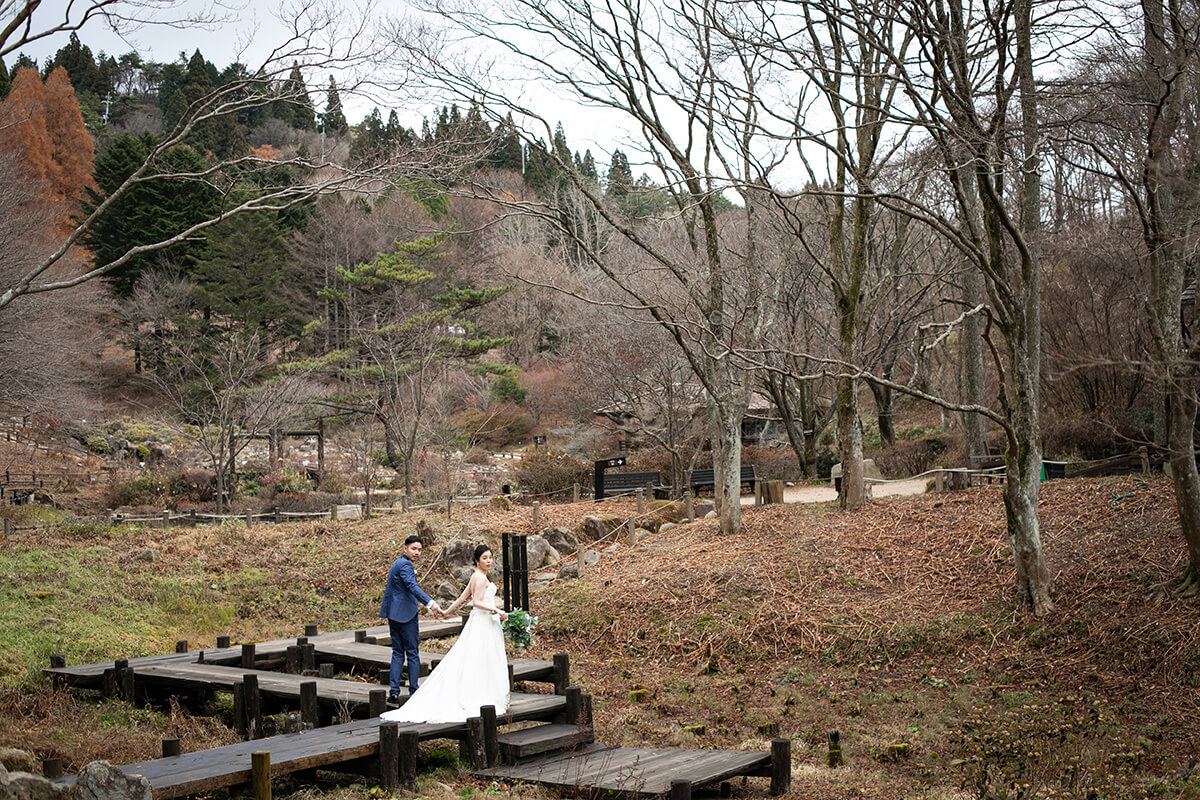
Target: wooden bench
(616,483)
(707,477)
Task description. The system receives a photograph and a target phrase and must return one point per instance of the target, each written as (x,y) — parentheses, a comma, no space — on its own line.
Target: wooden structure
(706,478)
(515,556)
(618,483)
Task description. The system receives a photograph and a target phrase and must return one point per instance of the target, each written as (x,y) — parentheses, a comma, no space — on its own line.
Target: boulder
(561,540)
(703,510)
(666,526)
(598,527)
(462,575)
(709,515)
(569,569)
(448,592)
(869,470)
(100,780)
(500,502)
(590,557)
(425,532)
(459,553)
(27,786)
(539,551)
(668,510)
(15,760)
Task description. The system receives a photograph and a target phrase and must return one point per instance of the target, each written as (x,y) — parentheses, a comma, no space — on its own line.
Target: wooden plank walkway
(632,771)
(91,676)
(373,657)
(207,770)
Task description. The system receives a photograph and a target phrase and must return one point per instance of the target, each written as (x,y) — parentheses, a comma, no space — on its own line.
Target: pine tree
(295,94)
(76,58)
(5,81)
(371,143)
(620,176)
(333,118)
(506,154)
(588,167)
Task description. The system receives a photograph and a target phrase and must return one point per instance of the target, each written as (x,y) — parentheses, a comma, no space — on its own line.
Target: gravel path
(808,493)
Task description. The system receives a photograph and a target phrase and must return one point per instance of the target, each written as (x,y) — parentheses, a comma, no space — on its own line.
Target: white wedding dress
(473,674)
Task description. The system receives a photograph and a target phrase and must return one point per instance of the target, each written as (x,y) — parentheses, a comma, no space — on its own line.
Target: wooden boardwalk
(91,676)
(343,745)
(631,771)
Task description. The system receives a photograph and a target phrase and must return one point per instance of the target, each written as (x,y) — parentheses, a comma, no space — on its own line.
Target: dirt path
(808,493)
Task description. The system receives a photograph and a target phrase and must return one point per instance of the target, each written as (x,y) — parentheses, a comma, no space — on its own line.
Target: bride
(475,671)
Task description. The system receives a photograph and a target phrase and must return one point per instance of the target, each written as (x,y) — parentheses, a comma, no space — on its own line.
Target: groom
(400,606)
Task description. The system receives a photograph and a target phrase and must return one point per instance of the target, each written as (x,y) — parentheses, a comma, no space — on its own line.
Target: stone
(459,553)
(598,527)
(27,786)
(353,511)
(561,540)
(590,557)
(568,570)
(18,760)
(100,780)
(539,551)
(425,532)
(612,548)
(500,502)
(704,510)
(462,575)
(666,526)
(147,555)
(446,591)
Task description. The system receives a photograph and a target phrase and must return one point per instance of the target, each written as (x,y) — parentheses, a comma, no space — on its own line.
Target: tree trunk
(777,388)
(972,371)
(884,400)
(727,468)
(1186,479)
(852,495)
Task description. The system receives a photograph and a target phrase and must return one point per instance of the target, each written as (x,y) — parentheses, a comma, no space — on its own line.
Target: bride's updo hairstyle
(480,550)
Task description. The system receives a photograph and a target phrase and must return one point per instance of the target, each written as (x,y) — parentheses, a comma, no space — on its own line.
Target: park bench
(701,478)
(628,482)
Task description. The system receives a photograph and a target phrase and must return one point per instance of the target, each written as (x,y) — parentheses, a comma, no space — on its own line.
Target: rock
(496,575)
(27,786)
(459,553)
(49,622)
(590,557)
(425,532)
(709,515)
(561,540)
(704,510)
(15,760)
(666,526)
(668,510)
(147,555)
(568,570)
(500,503)
(462,575)
(598,527)
(612,548)
(100,780)
(353,511)
(539,551)
(447,591)
(3,773)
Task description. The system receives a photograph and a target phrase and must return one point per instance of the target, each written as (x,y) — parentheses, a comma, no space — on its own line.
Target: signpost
(598,474)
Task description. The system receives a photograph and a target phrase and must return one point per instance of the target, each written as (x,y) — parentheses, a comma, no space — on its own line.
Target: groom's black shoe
(393,701)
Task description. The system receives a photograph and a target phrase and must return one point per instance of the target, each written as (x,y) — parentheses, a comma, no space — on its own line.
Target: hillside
(894,626)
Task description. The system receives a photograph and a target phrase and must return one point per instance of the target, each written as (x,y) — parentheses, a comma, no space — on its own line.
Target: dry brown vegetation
(894,625)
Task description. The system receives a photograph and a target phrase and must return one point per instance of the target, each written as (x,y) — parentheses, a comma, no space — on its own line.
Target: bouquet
(519,628)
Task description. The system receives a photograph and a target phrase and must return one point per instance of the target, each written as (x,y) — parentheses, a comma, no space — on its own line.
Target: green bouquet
(519,628)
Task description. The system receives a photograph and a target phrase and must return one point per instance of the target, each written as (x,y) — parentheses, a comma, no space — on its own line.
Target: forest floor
(896,626)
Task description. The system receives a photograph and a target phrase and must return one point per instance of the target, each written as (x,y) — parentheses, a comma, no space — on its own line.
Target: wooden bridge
(561,752)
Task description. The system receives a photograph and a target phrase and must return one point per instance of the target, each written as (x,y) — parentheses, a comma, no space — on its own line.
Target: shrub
(772,463)
(507,388)
(289,482)
(143,489)
(98,445)
(546,471)
(1081,437)
(826,458)
(496,427)
(910,458)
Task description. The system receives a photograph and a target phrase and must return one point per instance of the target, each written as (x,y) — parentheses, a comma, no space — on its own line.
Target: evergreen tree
(147,213)
(538,170)
(333,118)
(620,176)
(5,81)
(506,153)
(372,142)
(561,151)
(588,167)
(76,58)
(299,105)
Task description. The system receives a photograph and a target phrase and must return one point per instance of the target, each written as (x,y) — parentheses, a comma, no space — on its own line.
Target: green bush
(545,471)
(507,388)
(291,482)
(98,445)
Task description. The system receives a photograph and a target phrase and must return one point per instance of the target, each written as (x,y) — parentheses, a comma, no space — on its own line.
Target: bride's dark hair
(480,550)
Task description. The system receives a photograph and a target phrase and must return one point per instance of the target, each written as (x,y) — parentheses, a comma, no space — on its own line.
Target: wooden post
(781,766)
(1144,455)
(125,682)
(409,746)
(254,729)
(360,635)
(249,519)
(292,660)
(170,746)
(585,709)
(579,561)
(641,501)
(260,774)
(689,511)
(193,520)
(325,669)
(758,493)
(681,790)
(562,672)
(310,713)
(308,654)
(512,681)
(574,695)
(377,702)
(239,709)
(248,655)
(939,481)
(58,661)
(276,515)
(574,492)
(475,745)
(166,518)
(181,646)
(333,511)
(310,629)
(491,745)
(222,642)
(321,448)
(52,768)
(537,516)
(389,756)
(7,527)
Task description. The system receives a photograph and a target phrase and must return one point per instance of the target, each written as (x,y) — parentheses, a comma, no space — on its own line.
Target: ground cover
(894,626)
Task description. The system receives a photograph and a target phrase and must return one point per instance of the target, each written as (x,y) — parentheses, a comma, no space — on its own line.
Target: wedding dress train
(474,673)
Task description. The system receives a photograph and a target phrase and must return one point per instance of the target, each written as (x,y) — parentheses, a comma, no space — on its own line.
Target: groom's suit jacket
(402,597)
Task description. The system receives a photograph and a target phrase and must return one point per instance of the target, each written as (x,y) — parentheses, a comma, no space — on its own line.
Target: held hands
(503,614)
(436,610)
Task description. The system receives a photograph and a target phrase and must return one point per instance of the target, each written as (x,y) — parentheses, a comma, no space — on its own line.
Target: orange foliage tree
(41,125)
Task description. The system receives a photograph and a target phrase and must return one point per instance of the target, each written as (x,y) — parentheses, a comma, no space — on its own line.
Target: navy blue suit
(401,602)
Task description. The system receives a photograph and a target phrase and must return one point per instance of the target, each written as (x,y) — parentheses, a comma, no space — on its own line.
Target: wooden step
(517,745)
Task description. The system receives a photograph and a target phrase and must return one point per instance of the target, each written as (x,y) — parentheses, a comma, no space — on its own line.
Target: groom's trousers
(405,647)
